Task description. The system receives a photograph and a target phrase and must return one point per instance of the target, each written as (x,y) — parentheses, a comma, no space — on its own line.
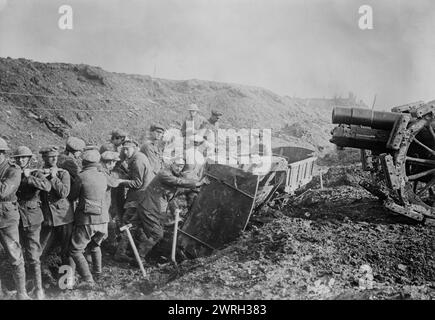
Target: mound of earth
(42,103)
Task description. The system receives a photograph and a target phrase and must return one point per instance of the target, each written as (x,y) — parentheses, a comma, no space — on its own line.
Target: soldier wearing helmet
(32,182)
(10,177)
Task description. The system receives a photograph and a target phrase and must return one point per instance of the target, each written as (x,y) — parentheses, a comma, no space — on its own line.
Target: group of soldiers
(81,196)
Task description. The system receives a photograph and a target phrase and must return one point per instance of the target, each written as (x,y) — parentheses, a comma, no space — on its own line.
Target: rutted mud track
(315,248)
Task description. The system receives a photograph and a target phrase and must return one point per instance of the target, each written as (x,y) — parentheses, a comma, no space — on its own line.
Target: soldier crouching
(32,182)
(152,212)
(10,175)
(91,221)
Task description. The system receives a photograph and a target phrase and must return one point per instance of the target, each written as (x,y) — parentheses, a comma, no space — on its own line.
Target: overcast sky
(298,48)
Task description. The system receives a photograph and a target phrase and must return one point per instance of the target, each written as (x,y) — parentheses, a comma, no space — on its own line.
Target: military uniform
(72,165)
(199,123)
(31,213)
(10,175)
(92,216)
(121,172)
(140,176)
(58,214)
(154,152)
(152,212)
(112,183)
(110,146)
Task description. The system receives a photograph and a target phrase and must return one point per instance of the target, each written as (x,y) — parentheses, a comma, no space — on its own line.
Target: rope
(78,98)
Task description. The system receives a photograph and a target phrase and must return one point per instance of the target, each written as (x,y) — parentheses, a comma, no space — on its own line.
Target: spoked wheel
(415,166)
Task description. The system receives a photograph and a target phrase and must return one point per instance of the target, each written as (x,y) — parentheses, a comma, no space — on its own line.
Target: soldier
(10,175)
(153,148)
(118,136)
(194,168)
(115,144)
(140,175)
(32,182)
(70,161)
(152,210)
(108,162)
(92,216)
(193,122)
(57,210)
(214,119)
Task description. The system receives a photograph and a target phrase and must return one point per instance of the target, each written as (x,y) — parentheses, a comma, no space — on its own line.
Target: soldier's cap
(178,160)
(110,156)
(216,113)
(130,143)
(193,107)
(75,144)
(157,126)
(91,155)
(49,151)
(22,151)
(3,145)
(119,133)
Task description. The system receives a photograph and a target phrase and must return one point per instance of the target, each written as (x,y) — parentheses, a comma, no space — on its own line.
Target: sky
(293,47)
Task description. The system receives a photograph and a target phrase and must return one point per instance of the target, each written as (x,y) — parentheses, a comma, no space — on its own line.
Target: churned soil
(335,243)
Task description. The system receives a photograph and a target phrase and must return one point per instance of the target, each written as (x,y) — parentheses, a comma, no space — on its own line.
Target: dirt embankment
(43,103)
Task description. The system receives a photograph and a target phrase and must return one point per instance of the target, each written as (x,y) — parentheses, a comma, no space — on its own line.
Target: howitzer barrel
(365,117)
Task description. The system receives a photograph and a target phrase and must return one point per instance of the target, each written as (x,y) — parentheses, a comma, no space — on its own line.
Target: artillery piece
(398,148)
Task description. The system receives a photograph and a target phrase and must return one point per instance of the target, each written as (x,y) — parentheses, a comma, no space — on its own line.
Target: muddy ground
(336,243)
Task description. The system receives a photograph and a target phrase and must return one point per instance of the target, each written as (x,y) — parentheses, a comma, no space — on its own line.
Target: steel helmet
(22,151)
(3,145)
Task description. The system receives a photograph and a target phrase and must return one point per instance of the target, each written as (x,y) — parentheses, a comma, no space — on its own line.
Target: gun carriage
(398,148)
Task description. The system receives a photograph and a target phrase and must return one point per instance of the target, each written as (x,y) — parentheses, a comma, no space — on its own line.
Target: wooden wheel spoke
(432,132)
(425,162)
(427,186)
(424,146)
(421,174)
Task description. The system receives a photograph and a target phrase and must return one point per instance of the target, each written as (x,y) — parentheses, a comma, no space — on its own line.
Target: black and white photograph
(232,152)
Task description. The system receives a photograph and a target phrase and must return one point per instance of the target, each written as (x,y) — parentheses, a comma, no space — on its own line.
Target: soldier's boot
(111,241)
(20,282)
(121,250)
(97,265)
(82,267)
(40,295)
